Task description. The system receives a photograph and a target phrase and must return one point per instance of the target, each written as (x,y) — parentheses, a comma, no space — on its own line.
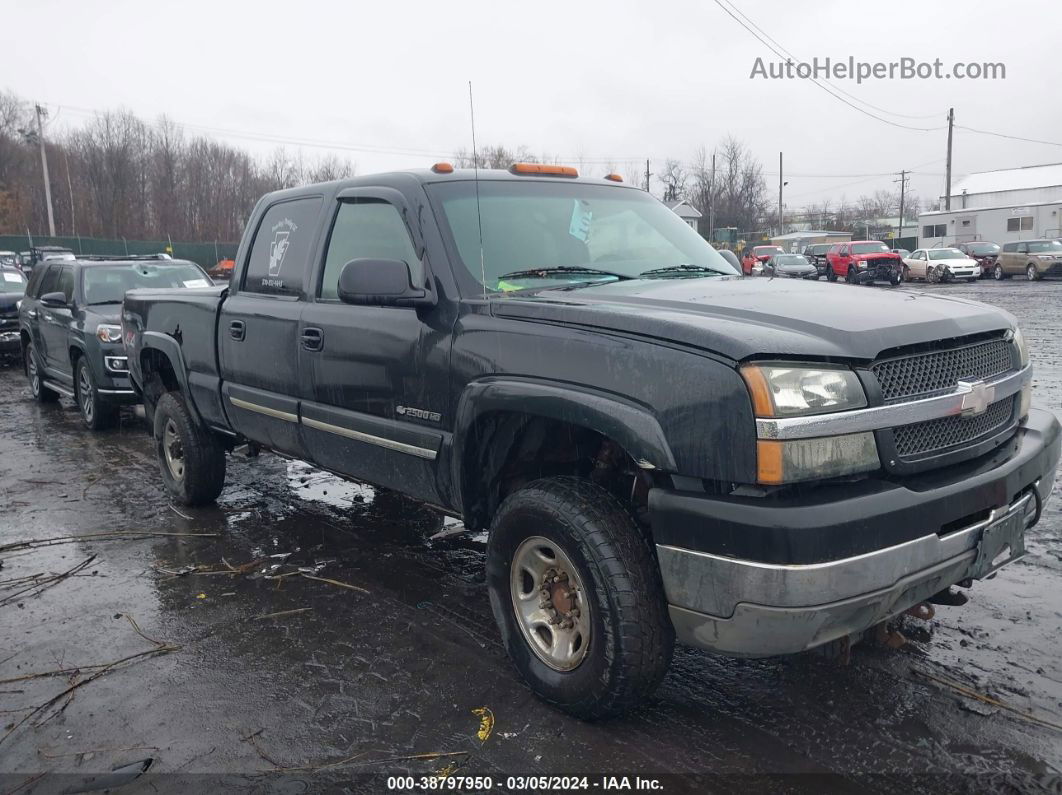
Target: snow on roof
(1048,175)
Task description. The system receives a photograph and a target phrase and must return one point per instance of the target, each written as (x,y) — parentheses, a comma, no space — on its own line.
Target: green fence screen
(204,254)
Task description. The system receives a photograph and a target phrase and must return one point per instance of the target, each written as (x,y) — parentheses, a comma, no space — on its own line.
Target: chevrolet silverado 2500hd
(659,448)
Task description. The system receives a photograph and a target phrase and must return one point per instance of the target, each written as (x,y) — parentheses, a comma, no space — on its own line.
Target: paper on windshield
(12,277)
(196,283)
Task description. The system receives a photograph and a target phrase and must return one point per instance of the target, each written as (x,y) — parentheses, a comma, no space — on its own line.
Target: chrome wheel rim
(1030,273)
(84,392)
(173,450)
(550,603)
(34,376)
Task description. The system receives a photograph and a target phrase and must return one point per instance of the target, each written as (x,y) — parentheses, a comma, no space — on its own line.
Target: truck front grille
(922,374)
(934,436)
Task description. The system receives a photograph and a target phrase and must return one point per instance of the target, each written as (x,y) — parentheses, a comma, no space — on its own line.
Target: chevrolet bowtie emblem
(977,399)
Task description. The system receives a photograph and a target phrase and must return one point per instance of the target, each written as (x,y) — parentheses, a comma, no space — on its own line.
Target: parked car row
(67,326)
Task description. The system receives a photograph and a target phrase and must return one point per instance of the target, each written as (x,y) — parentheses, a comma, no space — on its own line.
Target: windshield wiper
(101,303)
(542,273)
(684,268)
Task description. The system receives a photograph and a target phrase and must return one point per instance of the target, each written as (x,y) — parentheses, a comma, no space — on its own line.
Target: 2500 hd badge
(660,449)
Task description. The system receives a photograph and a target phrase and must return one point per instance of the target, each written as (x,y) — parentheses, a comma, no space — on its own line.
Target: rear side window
(371,229)
(35,279)
(282,247)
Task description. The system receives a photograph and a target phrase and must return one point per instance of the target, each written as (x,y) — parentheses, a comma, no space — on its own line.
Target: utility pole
(711,203)
(647,175)
(70,186)
(44,166)
(947,178)
(903,185)
(781,228)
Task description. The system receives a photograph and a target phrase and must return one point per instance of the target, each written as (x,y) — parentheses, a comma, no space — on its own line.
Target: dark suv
(70,334)
(815,253)
(12,288)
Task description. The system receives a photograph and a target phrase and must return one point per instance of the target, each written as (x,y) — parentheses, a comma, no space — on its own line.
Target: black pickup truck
(659,448)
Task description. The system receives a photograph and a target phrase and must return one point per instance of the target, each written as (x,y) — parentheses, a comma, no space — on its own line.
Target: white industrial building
(1009,204)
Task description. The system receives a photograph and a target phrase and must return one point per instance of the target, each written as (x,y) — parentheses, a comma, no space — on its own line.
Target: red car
(758,255)
(863,262)
(984,252)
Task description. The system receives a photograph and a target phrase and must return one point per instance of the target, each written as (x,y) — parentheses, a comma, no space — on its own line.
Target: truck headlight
(106,332)
(814,459)
(1023,348)
(786,391)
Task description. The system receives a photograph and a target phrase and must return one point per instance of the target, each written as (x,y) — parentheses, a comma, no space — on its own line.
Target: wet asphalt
(359,644)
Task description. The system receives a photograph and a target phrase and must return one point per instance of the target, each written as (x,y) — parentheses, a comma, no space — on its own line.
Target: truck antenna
(479,216)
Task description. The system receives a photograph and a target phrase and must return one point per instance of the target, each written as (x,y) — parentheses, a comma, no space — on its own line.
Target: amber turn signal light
(543,168)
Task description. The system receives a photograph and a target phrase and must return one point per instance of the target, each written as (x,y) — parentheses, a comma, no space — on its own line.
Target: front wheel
(852,276)
(97,414)
(576,591)
(997,273)
(896,278)
(1031,273)
(190,457)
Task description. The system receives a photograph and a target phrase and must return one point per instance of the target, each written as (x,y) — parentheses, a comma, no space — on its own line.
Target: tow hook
(888,637)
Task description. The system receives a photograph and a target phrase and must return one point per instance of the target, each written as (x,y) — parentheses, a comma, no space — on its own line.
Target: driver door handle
(312,339)
(237,330)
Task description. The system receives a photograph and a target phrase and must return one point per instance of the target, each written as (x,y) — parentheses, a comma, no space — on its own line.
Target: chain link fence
(206,255)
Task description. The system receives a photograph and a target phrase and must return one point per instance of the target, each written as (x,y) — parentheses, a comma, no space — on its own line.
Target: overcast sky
(600,81)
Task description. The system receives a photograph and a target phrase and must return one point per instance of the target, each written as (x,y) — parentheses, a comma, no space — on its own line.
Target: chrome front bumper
(748,609)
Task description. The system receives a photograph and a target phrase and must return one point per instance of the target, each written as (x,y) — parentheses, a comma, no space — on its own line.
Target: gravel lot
(388,663)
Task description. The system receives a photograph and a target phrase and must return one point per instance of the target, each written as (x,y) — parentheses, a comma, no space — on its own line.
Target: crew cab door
(375,392)
(258,327)
(844,261)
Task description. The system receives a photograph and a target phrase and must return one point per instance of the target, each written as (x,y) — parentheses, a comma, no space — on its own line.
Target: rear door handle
(312,339)
(31,313)
(237,329)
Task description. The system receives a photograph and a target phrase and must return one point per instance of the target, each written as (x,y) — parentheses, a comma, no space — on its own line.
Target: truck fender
(171,349)
(630,425)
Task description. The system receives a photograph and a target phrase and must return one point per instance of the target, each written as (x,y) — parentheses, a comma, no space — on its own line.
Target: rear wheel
(576,591)
(97,414)
(1031,273)
(41,393)
(830,275)
(190,457)
(997,273)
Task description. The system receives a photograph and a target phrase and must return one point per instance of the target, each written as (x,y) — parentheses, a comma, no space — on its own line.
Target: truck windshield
(107,284)
(870,248)
(547,233)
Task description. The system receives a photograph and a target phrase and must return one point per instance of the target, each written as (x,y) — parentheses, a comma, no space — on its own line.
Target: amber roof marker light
(443,168)
(543,168)
(614,177)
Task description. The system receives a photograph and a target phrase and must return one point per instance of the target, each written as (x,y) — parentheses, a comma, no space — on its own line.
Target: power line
(815,81)
(1010,137)
(827,82)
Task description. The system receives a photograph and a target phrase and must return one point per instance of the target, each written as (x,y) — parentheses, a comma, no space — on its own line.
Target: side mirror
(381,282)
(54,300)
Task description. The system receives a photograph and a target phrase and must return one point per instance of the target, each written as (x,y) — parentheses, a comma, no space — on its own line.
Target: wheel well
(159,377)
(505,450)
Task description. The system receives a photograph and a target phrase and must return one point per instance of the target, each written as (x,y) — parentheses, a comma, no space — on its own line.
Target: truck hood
(741,318)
